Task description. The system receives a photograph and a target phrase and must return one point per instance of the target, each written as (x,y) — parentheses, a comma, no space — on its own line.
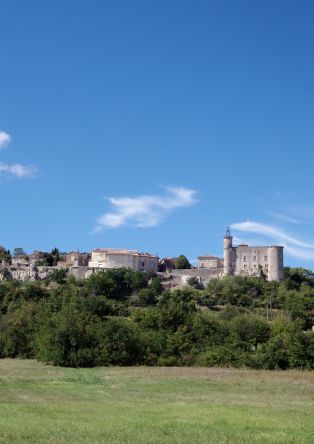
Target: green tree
(248,331)
(295,277)
(182,263)
(119,344)
(176,308)
(58,275)
(155,285)
(17,331)
(56,256)
(18,251)
(68,338)
(194,282)
(147,296)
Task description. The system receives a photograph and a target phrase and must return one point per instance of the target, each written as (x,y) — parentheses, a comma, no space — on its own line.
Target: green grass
(45,404)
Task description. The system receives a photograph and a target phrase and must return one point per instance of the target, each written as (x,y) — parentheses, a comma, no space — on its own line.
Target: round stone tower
(228,253)
(275,266)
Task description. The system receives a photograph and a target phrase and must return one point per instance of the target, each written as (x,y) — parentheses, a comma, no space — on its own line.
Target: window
(265,258)
(244,258)
(254,258)
(244,266)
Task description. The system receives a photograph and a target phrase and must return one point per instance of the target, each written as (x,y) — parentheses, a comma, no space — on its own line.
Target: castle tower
(275,267)
(228,253)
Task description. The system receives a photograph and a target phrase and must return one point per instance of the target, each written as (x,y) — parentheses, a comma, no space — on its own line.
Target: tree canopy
(122,317)
(182,263)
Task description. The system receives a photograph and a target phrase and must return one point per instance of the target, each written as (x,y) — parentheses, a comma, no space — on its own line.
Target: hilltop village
(243,260)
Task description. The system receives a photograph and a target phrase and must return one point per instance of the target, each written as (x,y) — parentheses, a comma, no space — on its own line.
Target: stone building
(20,260)
(115,258)
(210,262)
(35,258)
(167,264)
(75,258)
(253,261)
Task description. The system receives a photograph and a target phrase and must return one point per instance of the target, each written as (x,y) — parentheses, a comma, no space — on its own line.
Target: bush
(182,263)
(119,344)
(72,323)
(69,338)
(147,296)
(194,282)
(223,356)
(247,331)
(17,330)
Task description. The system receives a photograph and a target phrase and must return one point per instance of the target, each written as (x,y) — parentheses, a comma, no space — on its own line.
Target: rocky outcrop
(25,273)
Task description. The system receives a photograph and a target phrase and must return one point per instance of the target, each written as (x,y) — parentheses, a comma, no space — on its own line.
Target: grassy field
(45,404)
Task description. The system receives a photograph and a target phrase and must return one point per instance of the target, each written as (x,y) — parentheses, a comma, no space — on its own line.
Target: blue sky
(154,124)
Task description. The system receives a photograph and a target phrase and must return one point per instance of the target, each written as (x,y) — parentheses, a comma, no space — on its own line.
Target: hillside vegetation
(121,317)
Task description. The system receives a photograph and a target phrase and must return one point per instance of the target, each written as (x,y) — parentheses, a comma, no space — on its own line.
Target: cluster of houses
(38,258)
(100,258)
(242,259)
(104,258)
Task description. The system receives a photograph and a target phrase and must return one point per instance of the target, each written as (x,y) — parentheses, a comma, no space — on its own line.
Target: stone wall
(180,277)
(80,272)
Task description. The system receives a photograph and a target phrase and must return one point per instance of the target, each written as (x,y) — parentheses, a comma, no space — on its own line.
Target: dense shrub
(121,317)
(119,344)
(17,330)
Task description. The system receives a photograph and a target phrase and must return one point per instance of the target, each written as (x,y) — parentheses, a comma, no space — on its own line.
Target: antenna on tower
(228,234)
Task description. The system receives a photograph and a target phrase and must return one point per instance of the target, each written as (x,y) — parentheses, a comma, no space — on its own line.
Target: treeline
(121,317)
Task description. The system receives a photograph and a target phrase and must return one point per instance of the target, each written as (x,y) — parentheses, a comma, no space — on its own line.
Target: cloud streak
(144,211)
(16,169)
(303,211)
(294,246)
(270,231)
(284,217)
(5,139)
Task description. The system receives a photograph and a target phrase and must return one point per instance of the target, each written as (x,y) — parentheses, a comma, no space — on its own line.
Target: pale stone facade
(113,258)
(252,261)
(35,257)
(210,262)
(75,258)
(20,260)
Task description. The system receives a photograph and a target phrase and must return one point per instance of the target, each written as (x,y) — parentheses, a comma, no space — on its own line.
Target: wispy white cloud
(284,217)
(5,139)
(270,231)
(15,169)
(18,170)
(293,245)
(303,211)
(145,211)
(300,253)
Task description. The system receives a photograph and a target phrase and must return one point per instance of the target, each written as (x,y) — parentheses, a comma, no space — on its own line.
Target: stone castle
(243,260)
(266,261)
(252,261)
